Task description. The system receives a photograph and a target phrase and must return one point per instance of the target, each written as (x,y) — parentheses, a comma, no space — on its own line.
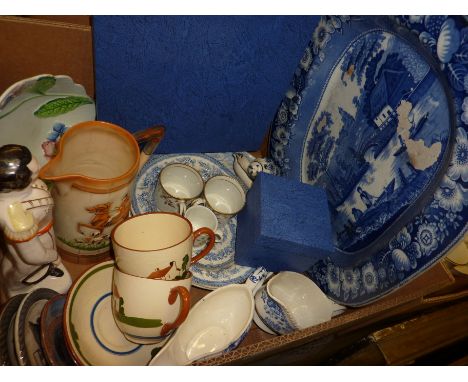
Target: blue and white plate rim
(333,279)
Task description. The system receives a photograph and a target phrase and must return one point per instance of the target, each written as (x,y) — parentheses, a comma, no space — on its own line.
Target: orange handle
(209,245)
(184,308)
(151,137)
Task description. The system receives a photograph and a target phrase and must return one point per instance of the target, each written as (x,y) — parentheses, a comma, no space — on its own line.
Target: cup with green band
(148,310)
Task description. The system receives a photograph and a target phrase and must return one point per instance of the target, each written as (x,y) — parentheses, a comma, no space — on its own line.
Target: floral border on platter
(444,220)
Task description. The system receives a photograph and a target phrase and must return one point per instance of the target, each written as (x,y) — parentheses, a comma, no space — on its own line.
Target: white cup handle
(197,202)
(182,207)
(218,235)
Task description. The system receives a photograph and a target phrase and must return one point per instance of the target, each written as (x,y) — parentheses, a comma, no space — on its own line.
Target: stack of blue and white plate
(31,330)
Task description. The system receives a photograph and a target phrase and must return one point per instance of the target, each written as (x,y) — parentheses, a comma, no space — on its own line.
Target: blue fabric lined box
(213,81)
(285,225)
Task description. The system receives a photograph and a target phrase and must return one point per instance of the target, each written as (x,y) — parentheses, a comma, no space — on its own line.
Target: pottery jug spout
(100,152)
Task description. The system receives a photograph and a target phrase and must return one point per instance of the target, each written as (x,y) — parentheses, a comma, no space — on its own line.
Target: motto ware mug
(157,245)
(145,310)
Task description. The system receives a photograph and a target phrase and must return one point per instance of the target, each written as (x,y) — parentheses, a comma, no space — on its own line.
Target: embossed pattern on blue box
(213,81)
(285,225)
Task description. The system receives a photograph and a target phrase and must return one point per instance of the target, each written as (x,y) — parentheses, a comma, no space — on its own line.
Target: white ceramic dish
(216,324)
(36,111)
(218,267)
(91,335)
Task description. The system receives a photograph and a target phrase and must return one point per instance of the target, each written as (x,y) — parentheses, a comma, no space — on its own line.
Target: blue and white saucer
(218,267)
(377,114)
(27,336)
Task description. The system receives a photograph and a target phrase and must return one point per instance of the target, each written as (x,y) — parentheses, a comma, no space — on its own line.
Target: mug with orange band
(158,245)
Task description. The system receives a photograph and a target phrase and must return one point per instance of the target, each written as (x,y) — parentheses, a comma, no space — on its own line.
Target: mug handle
(218,235)
(150,137)
(209,245)
(184,308)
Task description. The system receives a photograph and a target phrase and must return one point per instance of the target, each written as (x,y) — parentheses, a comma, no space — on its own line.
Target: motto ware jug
(92,174)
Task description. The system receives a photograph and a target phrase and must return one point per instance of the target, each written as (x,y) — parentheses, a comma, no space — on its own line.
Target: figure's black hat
(14,173)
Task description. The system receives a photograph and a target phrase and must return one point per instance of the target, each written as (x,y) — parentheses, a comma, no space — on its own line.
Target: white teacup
(224,196)
(201,216)
(177,186)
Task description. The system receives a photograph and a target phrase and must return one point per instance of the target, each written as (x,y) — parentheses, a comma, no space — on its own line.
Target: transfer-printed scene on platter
(384,113)
(229,190)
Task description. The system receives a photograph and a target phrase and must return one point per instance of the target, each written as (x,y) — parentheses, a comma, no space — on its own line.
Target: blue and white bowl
(291,301)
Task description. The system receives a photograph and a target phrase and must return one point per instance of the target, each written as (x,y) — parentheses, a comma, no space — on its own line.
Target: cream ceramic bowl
(216,324)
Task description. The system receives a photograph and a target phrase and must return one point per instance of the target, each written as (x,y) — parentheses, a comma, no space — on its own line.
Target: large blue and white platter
(218,268)
(377,114)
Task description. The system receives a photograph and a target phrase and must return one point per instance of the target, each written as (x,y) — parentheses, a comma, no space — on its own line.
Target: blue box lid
(291,211)
(284,222)
(213,81)
(295,212)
